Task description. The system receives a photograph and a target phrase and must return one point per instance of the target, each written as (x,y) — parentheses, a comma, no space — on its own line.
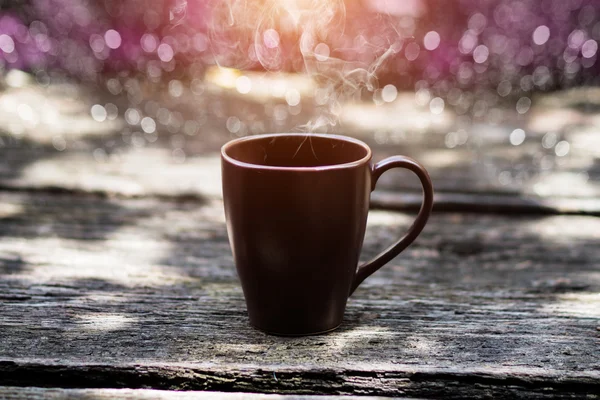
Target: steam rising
(273,33)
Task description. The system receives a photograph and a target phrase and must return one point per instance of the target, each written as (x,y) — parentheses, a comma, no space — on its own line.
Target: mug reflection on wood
(296,207)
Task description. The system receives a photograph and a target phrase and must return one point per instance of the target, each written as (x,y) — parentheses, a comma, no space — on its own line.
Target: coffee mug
(296,208)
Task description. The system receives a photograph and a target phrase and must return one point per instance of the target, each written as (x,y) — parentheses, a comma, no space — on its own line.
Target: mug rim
(343,138)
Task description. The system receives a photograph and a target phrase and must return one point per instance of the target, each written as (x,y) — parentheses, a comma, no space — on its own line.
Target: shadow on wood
(479,304)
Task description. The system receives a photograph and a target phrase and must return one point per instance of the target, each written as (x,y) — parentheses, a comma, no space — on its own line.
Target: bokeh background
(495,97)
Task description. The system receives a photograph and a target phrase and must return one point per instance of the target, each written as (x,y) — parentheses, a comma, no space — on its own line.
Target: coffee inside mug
(298,150)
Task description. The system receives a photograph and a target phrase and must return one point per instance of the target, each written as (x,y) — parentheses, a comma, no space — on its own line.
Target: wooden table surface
(116,273)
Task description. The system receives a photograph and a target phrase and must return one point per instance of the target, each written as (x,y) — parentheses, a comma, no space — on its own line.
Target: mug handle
(388,254)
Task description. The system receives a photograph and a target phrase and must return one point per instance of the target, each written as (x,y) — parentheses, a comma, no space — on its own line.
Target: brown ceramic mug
(296,207)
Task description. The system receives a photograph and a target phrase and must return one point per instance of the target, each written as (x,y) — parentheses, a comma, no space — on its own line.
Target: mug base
(287,334)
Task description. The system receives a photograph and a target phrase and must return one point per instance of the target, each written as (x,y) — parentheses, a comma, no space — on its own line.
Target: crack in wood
(325,382)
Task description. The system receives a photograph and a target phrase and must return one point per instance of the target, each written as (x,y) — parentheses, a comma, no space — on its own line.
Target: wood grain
(33,393)
(108,292)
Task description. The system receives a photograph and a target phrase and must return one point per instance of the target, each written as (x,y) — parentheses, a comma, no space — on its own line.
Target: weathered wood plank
(486,203)
(154,172)
(142,293)
(34,393)
(64,147)
(150,170)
